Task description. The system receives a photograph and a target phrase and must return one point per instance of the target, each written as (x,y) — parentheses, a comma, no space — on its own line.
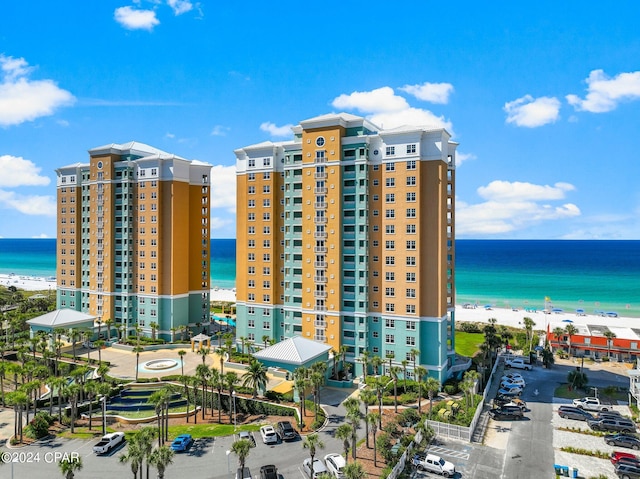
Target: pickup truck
(590,404)
(108,442)
(433,463)
(519,363)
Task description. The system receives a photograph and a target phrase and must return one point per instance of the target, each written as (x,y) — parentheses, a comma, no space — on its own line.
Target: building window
(390,182)
(266,189)
(251,323)
(390,323)
(411,229)
(251,310)
(390,150)
(389,339)
(267,162)
(390,307)
(411,292)
(411,341)
(376,335)
(390,260)
(411,164)
(252,203)
(390,276)
(411,244)
(390,213)
(411,325)
(390,229)
(390,244)
(411,309)
(411,260)
(266,202)
(411,197)
(411,148)
(251,177)
(252,163)
(390,292)
(266,324)
(251,190)
(411,181)
(390,198)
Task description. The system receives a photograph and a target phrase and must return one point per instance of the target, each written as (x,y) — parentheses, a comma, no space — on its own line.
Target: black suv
(612,424)
(628,472)
(269,472)
(286,431)
(623,440)
(571,412)
(506,412)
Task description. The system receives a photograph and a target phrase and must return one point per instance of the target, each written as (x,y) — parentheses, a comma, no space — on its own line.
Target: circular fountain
(160,364)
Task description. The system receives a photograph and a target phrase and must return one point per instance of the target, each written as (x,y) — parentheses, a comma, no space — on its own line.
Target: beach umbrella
(557,310)
(539,348)
(567,321)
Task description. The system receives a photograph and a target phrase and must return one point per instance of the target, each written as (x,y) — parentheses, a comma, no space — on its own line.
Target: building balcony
(320,191)
(320,176)
(319,338)
(320,235)
(320,264)
(320,206)
(320,324)
(320,294)
(320,220)
(320,249)
(320,308)
(320,279)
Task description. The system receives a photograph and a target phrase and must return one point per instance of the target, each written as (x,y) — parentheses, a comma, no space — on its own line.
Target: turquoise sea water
(590,275)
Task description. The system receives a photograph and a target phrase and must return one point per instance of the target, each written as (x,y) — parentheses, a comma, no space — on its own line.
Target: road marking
(449,452)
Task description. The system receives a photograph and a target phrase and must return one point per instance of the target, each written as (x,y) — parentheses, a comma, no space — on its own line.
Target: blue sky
(544,99)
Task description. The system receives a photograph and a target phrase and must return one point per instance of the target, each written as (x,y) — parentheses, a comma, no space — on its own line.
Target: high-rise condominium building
(133,238)
(345,235)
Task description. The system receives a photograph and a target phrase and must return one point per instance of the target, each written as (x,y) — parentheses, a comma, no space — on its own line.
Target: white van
(315,471)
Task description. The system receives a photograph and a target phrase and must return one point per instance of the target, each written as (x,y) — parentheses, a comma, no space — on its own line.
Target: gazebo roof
(61,318)
(201,337)
(296,350)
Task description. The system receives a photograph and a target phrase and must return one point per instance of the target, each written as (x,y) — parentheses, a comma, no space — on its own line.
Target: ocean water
(589,275)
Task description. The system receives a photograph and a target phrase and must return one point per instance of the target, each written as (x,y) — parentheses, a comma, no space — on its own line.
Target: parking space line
(449,452)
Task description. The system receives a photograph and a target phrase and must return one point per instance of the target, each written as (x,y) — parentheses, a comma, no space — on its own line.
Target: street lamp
(235,416)
(228,466)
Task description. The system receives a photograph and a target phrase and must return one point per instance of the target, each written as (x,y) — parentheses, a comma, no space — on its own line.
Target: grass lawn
(209,430)
(563,392)
(467,343)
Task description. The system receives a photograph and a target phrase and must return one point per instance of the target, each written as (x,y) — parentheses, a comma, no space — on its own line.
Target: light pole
(235,416)
(228,466)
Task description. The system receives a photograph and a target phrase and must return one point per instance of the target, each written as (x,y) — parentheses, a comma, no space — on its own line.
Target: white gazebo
(203,341)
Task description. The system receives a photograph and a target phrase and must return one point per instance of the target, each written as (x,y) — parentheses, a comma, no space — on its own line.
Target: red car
(617,455)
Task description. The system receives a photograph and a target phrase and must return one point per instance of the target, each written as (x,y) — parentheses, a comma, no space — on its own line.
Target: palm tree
(373,420)
(217,381)
(137,350)
(161,458)
(173,330)
(354,471)
(69,466)
(145,437)
(73,391)
(154,326)
(241,448)
(134,456)
(404,364)
(432,385)
(204,352)
(3,370)
(230,381)
(19,400)
(108,323)
(364,359)
(558,333)
(394,372)
(528,326)
(182,353)
(160,400)
(203,373)
(420,371)
(98,344)
(255,377)
(265,340)
(344,432)
(415,354)
(91,388)
(376,362)
(379,387)
(103,390)
(75,335)
(368,397)
(610,335)
(570,330)
(312,442)
(352,405)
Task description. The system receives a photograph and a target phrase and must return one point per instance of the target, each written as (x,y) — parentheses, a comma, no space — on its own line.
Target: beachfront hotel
(345,236)
(133,238)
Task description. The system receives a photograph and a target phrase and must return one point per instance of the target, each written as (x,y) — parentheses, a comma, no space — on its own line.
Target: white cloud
(388,110)
(513,206)
(136,19)
(223,187)
(220,130)
(41,236)
(462,157)
(273,130)
(604,93)
(170,135)
(431,92)
(522,191)
(22,99)
(29,205)
(375,101)
(217,223)
(531,113)
(180,6)
(16,171)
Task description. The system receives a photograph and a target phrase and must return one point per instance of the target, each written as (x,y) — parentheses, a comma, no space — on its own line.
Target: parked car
(314,472)
(286,431)
(108,442)
(335,463)
(506,412)
(243,473)
(510,391)
(433,463)
(269,472)
(623,440)
(269,435)
(572,412)
(591,404)
(609,413)
(511,376)
(627,461)
(612,424)
(519,363)
(248,436)
(617,455)
(510,401)
(513,382)
(628,472)
(182,442)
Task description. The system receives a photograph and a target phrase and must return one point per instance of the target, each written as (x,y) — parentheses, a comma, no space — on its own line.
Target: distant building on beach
(133,238)
(345,236)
